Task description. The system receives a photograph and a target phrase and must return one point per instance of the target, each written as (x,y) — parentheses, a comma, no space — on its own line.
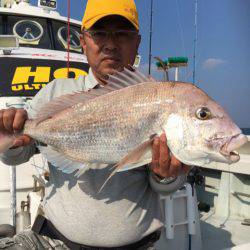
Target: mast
(195,39)
(150,38)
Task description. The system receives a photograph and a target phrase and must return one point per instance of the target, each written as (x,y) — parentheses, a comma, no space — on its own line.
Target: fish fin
(129,76)
(63,102)
(131,159)
(82,171)
(61,162)
(135,155)
(88,166)
(133,166)
(6,141)
(65,164)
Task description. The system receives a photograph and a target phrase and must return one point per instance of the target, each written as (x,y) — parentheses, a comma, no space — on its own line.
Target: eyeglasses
(119,35)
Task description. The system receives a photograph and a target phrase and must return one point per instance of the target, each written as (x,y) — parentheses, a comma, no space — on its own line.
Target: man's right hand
(12,121)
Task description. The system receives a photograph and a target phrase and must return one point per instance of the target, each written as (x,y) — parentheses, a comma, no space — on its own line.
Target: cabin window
(28,31)
(60,33)
(1,25)
(31,32)
(42,33)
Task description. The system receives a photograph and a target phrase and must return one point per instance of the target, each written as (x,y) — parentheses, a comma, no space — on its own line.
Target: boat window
(60,32)
(28,31)
(31,32)
(1,25)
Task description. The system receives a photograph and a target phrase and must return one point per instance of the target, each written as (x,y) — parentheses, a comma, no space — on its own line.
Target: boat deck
(218,233)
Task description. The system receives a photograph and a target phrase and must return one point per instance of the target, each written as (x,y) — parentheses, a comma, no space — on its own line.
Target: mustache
(113,56)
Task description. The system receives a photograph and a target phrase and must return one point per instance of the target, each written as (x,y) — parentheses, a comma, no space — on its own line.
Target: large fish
(115,124)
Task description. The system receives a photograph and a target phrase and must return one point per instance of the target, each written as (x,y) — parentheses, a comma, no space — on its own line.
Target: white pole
(13,196)
(176,74)
(169,217)
(191,210)
(17,102)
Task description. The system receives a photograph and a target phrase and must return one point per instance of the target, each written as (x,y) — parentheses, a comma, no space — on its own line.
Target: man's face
(107,52)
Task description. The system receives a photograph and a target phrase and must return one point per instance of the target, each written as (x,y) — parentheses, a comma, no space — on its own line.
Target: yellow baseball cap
(97,9)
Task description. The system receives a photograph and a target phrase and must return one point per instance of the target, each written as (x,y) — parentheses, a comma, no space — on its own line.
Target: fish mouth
(228,150)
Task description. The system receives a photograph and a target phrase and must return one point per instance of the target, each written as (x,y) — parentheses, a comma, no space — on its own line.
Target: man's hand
(163,164)
(11,122)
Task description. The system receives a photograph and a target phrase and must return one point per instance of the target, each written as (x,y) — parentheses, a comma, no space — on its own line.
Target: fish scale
(107,125)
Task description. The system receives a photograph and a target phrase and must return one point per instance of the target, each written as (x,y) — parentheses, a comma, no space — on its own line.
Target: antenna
(150,38)
(195,39)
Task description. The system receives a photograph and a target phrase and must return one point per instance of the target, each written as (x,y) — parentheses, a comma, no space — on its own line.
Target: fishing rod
(195,39)
(150,38)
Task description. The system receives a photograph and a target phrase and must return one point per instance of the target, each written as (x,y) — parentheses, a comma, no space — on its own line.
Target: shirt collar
(90,80)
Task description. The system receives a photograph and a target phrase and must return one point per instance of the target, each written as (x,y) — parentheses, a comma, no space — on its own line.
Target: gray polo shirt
(127,209)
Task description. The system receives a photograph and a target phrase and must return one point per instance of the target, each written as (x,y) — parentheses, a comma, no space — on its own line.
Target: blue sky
(223,53)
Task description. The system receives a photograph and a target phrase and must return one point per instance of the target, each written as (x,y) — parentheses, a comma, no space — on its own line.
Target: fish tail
(6,141)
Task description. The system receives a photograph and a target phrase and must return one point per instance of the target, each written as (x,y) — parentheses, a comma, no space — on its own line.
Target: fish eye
(203,113)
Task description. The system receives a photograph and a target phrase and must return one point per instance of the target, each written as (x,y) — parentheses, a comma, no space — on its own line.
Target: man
(127,213)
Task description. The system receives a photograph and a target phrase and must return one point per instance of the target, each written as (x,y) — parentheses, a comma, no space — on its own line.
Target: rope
(68,38)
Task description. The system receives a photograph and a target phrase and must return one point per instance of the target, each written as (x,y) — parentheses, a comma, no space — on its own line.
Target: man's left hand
(164,165)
